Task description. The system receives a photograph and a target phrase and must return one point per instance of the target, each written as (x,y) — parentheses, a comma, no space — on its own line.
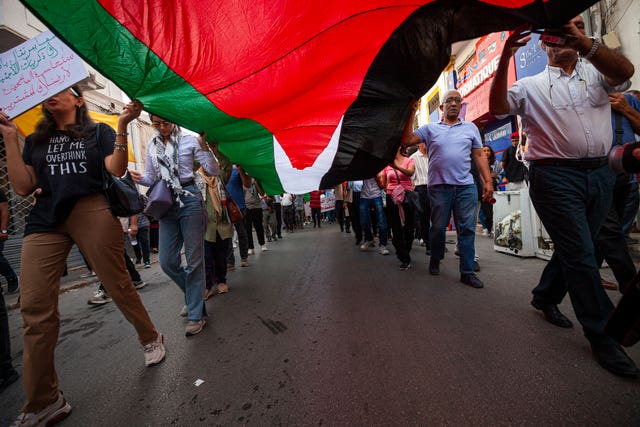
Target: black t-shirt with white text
(66,169)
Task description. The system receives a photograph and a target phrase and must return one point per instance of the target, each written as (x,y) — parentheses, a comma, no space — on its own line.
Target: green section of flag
(110,48)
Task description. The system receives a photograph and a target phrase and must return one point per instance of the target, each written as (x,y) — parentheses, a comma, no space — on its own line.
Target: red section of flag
(294,67)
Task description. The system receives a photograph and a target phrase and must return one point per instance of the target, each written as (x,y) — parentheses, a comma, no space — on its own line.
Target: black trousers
(215,260)
(142,249)
(610,243)
(253,218)
(402,234)
(424,217)
(5,267)
(278,208)
(5,341)
(316,216)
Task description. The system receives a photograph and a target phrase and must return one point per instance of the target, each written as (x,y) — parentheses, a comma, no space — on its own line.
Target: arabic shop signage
(36,70)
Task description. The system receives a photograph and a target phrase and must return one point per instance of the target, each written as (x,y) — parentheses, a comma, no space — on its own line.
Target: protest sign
(36,70)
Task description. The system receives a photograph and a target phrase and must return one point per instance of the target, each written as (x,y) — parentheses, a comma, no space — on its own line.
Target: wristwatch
(594,47)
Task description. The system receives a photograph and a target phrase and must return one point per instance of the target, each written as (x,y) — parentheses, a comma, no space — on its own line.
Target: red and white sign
(474,81)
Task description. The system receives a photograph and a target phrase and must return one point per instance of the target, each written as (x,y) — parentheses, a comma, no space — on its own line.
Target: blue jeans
(365,221)
(185,226)
(463,201)
(572,204)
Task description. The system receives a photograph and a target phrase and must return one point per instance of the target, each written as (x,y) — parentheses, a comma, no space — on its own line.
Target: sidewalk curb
(72,286)
(64,288)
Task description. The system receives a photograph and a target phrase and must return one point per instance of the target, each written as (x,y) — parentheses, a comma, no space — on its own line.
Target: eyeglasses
(582,82)
(453,99)
(158,124)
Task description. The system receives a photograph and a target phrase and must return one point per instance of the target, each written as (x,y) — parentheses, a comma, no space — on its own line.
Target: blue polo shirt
(628,135)
(449,149)
(234,188)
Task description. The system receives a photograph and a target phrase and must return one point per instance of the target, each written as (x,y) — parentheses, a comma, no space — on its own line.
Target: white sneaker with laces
(366,245)
(154,352)
(194,328)
(49,416)
(100,297)
(383,251)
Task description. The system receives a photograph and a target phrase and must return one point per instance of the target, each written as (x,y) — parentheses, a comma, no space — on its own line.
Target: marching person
(451,144)
(170,157)
(71,197)
(566,114)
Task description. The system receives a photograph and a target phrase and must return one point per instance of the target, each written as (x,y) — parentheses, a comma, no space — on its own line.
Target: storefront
(474,84)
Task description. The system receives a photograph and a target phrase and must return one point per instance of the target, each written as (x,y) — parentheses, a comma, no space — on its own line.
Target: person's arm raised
(498,102)
(21,175)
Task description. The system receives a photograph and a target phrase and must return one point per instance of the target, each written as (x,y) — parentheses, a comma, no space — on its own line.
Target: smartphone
(554,36)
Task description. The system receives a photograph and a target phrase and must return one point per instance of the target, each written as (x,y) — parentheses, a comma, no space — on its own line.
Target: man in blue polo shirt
(610,244)
(451,143)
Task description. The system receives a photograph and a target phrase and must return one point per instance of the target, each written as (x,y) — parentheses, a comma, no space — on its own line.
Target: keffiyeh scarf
(165,158)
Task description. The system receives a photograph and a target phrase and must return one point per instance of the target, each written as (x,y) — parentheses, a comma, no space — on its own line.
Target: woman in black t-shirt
(62,158)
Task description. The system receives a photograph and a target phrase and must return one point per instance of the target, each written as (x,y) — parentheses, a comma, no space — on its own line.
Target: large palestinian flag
(302,93)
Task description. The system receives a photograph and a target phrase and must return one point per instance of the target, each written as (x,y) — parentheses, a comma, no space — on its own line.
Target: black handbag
(122,192)
(411,198)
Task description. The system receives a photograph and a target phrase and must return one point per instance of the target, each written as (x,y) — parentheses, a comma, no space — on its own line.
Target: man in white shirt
(566,114)
(421,161)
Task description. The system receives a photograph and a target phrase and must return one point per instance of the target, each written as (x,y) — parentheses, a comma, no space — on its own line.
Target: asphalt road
(315,332)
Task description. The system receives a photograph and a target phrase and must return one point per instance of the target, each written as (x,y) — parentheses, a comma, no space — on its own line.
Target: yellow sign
(27,123)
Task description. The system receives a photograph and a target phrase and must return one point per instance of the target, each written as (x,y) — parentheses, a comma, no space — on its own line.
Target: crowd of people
(448,182)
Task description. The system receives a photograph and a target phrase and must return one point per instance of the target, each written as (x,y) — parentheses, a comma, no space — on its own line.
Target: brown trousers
(98,234)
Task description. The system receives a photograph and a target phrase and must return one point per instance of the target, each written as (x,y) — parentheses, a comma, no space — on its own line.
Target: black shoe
(471,280)
(405,266)
(358,242)
(553,315)
(13,286)
(434,267)
(613,358)
(9,378)
(476,266)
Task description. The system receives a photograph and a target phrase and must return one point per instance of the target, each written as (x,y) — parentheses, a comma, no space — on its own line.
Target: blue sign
(497,135)
(530,59)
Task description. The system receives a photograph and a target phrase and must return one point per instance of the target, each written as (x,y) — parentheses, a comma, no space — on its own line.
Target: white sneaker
(49,416)
(251,252)
(154,352)
(383,251)
(485,232)
(139,284)
(184,311)
(264,248)
(366,245)
(100,297)
(194,328)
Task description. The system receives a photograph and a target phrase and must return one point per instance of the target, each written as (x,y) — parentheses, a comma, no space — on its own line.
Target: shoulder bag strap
(619,132)
(105,173)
